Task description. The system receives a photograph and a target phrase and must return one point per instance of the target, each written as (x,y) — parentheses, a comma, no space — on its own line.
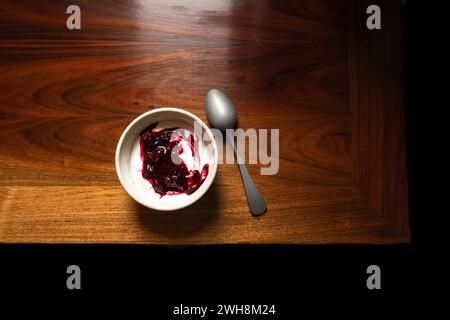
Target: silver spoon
(221,114)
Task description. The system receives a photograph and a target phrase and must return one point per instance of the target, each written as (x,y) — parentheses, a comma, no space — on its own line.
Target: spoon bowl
(220,110)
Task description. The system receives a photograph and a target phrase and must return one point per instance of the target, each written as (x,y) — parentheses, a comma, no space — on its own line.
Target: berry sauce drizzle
(166,176)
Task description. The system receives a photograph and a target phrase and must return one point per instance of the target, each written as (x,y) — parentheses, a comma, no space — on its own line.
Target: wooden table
(310,68)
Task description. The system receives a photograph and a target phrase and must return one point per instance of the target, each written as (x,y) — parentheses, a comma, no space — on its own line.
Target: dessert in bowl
(166,159)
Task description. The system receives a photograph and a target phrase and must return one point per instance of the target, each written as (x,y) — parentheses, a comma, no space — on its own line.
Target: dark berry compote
(169,177)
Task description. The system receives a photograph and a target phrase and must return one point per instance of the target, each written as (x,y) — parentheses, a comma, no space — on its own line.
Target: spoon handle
(254,197)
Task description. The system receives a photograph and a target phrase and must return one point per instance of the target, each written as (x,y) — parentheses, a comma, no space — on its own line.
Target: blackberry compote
(169,177)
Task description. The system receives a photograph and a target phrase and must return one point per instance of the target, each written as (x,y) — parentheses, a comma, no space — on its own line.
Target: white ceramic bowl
(129,163)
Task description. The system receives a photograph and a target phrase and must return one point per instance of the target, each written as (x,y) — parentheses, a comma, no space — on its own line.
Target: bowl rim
(211,172)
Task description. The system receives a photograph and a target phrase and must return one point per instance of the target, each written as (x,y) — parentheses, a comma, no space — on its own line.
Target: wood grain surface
(309,68)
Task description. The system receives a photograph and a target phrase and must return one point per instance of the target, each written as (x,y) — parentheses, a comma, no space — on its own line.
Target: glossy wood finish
(309,68)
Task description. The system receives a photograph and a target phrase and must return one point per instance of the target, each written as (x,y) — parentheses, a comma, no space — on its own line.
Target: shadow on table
(181,222)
